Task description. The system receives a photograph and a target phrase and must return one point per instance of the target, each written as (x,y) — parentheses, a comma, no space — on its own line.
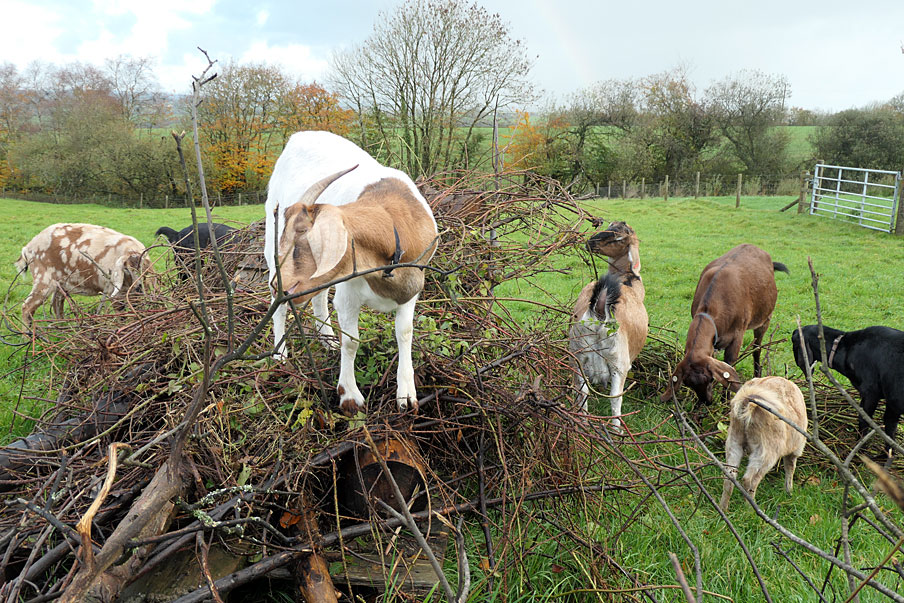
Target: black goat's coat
(873,360)
(183,241)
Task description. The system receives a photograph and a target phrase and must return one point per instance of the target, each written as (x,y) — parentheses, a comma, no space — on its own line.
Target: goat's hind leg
(790,463)
(758,334)
(325,334)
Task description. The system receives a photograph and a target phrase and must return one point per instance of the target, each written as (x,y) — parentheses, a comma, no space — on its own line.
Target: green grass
(859,286)
(19,222)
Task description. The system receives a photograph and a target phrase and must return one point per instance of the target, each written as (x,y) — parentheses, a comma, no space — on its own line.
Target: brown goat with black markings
(736,292)
(762,435)
(609,324)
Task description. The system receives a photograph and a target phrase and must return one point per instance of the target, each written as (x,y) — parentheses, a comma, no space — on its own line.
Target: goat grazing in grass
(763,436)
(871,358)
(609,324)
(183,242)
(327,218)
(80,259)
(736,292)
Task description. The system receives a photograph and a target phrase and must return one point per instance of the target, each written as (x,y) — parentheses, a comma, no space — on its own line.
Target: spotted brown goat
(736,292)
(80,259)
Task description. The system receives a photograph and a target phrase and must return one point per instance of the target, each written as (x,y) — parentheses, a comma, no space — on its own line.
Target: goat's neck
(620,266)
(701,337)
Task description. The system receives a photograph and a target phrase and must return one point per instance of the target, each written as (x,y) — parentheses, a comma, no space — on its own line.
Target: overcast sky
(836,54)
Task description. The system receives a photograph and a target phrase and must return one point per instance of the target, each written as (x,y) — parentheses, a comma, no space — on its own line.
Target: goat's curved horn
(316,189)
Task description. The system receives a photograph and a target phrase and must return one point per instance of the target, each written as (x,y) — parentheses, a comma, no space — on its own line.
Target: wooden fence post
(609,190)
(666,196)
(697,186)
(737,203)
(240,198)
(899,219)
(624,189)
(643,187)
(802,200)
(166,201)
(140,200)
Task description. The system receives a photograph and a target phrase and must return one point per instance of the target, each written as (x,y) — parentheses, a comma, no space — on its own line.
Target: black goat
(872,358)
(183,241)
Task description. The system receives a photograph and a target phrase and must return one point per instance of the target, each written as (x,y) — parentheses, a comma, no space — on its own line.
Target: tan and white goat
(333,209)
(762,435)
(80,259)
(609,324)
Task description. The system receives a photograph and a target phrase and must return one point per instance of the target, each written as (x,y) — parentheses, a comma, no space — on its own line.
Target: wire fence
(637,188)
(142,201)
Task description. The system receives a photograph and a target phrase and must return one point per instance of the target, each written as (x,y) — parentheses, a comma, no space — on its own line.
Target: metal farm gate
(867,197)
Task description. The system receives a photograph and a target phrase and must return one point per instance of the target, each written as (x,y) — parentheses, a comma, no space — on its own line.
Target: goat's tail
(779,267)
(168,232)
(749,411)
(22,263)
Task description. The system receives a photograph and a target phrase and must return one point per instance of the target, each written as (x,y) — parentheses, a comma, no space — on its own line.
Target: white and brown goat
(332,209)
(609,324)
(764,437)
(80,259)
(736,292)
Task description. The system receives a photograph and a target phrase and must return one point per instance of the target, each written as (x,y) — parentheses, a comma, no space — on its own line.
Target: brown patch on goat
(369,222)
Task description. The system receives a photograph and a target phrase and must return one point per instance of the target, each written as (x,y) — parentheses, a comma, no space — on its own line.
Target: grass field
(860,285)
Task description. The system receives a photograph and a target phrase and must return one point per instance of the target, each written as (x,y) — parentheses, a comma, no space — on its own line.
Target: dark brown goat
(736,292)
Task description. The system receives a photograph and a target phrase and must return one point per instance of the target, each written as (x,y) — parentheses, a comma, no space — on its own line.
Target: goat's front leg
(350,398)
(406,393)
(733,350)
(322,319)
(279,331)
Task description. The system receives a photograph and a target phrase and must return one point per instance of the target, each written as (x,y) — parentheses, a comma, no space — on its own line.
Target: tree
(864,138)
(312,107)
(674,126)
(747,107)
(429,73)
(135,86)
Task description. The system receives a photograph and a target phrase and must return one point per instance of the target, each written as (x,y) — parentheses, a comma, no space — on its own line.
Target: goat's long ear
(328,239)
(725,374)
(634,256)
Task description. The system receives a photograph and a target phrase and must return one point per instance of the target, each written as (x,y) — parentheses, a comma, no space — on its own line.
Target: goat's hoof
(406,403)
(350,407)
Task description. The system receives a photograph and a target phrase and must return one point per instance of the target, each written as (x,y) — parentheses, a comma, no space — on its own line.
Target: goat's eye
(295,253)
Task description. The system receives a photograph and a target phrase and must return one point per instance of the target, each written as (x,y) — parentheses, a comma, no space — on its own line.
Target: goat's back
(70,254)
(782,396)
(313,155)
(742,281)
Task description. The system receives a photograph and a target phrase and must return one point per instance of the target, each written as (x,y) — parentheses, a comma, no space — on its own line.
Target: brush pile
(160,467)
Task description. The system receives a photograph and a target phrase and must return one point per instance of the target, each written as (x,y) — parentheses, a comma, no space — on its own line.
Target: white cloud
(295,59)
(263,16)
(33,38)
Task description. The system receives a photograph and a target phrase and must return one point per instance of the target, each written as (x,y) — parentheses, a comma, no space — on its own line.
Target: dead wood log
(148,515)
(315,584)
(364,481)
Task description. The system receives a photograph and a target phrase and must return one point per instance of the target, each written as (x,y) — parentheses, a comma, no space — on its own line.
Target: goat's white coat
(308,158)
(762,435)
(602,358)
